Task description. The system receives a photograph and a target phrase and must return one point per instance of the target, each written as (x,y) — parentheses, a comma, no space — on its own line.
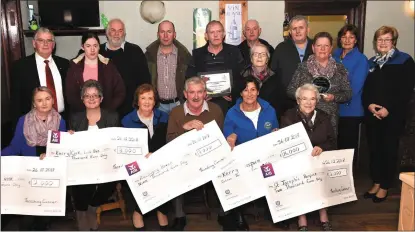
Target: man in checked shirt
(167,61)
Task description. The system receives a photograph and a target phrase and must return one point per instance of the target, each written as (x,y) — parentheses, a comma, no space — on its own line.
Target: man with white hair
(129,59)
(252,31)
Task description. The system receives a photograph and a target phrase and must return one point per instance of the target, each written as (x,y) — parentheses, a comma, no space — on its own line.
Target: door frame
(355,10)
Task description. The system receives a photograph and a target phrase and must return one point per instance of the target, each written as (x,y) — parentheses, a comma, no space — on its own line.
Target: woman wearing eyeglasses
(88,197)
(92,66)
(356,63)
(327,75)
(386,94)
(270,87)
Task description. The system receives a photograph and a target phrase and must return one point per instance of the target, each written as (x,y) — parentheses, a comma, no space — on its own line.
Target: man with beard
(129,60)
(252,31)
(193,114)
(218,56)
(289,53)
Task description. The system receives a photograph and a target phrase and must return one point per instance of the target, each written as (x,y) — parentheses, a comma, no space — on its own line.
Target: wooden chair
(118,204)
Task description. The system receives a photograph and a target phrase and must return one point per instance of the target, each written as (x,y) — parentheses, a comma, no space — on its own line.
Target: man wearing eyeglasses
(289,53)
(39,69)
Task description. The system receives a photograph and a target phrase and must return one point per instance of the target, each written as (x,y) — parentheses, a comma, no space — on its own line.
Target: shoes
(241,223)
(326,226)
(369,195)
(164,228)
(140,228)
(376,199)
(179,224)
(303,228)
(228,222)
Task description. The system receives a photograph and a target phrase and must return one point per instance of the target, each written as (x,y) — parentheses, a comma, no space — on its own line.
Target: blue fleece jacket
(131,120)
(236,122)
(18,145)
(357,66)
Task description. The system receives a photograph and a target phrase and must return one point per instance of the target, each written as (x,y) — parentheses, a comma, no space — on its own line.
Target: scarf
(382,59)
(306,119)
(260,75)
(36,130)
(316,69)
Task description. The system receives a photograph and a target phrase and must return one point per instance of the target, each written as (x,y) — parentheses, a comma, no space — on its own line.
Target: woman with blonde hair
(385,98)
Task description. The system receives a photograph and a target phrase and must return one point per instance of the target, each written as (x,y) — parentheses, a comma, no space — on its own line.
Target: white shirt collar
(41,59)
(187,111)
(122,46)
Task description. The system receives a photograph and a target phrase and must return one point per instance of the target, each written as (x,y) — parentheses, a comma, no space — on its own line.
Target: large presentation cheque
(185,163)
(30,186)
(293,191)
(241,182)
(98,156)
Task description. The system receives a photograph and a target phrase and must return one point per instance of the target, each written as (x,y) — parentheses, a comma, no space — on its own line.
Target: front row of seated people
(250,118)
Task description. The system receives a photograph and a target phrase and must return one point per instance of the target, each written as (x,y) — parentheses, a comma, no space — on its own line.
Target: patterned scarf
(36,130)
(306,119)
(316,69)
(382,59)
(260,75)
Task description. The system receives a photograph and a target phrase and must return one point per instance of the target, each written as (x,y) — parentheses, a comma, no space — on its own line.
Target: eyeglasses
(44,41)
(259,55)
(92,97)
(384,40)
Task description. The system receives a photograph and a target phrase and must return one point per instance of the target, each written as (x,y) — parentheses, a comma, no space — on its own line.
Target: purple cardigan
(18,145)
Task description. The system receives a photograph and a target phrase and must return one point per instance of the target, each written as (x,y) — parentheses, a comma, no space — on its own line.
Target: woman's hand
(148,154)
(328,97)
(373,109)
(275,129)
(316,151)
(232,140)
(383,113)
(42,156)
(71,132)
(227,98)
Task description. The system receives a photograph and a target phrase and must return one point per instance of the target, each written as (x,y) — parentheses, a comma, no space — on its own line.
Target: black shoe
(303,228)
(228,222)
(164,228)
(326,226)
(376,199)
(179,224)
(220,220)
(369,195)
(139,228)
(241,223)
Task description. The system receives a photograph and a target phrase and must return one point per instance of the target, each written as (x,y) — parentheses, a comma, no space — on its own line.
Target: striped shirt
(166,74)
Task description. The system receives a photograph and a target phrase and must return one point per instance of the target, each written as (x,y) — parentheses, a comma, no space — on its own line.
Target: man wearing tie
(39,69)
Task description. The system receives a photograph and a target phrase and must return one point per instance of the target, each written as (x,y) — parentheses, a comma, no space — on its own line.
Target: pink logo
(132,168)
(267,170)
(56,137)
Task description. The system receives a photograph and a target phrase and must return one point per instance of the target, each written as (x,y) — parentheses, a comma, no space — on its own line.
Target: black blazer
(79,121)
(25,78)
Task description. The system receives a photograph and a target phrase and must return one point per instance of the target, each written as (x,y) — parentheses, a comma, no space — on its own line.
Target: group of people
(116,84)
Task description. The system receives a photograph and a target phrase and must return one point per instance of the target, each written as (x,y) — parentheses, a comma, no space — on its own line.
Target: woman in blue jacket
(30,139)
(250,118)
(356,63)
(146,115)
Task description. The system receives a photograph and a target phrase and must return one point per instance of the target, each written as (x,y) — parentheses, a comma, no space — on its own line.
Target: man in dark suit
(39,69)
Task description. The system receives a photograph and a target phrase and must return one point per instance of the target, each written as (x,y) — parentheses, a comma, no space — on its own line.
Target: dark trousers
(37,223)
(348,137)
(383,141)
(92,195)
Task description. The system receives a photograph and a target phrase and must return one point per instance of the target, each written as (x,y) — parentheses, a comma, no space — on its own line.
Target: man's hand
(194,124)
(71,132)
(232,140)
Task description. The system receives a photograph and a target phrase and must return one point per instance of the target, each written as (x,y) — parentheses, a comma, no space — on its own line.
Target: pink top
(90,72)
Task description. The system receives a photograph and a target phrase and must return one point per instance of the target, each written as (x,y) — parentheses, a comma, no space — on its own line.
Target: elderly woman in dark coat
(319,130)
(326,74)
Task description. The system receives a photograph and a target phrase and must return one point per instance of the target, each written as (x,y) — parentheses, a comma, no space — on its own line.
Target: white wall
(391,13)
(270,14)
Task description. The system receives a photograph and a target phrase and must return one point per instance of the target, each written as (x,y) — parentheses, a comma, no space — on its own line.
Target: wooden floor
(359,215)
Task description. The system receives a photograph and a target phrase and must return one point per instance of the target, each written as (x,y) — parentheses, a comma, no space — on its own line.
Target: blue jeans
(168,107)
